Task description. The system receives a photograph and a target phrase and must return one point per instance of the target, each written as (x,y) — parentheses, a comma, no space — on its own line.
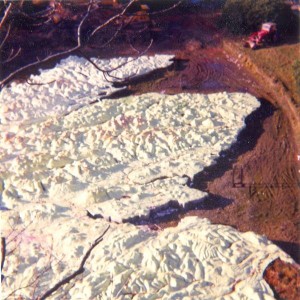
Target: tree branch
(79,37)
(112,19)
(81,22)
(40,14)
(78,271)
(34,279)
(3,254)
(112,38)
(35,63)
(166,9)
(11,75)
(6,36)
(12,56)
(107,72)
(6,13)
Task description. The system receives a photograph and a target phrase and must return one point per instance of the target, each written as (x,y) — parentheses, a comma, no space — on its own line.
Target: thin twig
(40,14)
(133,48)
(123,64)
(6,13)
(140,53)
(35,278)
(11,75)
(96,66)
(78,271)
(107,72)
(112,19)
(125,284)
(14,238)
(6,36)
(81,23)
(166,9)
(112,38)
(12,56)
(3,254)
(42,23)
(35,63)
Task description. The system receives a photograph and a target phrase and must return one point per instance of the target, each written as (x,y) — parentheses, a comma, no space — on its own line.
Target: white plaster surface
(119,158)
(122,157)
(195,260)
(74,82)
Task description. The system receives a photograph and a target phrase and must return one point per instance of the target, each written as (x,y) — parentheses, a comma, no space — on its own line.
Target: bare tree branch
(78,271)
(107,72)
(30,284)
(112,38)
(81,22)
(12,56)
(35,63)
(14,238)
(6,36)
(92,6)
(6,13)
(42,23)
(40,14)
(97,67)
(33,281)
(166,9)
(125,63)
(113,18)
(11,75)
(3,254)
(139,52)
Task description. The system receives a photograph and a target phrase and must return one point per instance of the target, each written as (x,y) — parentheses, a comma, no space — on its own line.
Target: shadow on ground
(246,141)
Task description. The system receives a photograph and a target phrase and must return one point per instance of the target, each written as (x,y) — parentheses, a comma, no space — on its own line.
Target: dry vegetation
(278,61)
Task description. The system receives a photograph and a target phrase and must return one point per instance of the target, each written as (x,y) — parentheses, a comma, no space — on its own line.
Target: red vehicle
(267,35)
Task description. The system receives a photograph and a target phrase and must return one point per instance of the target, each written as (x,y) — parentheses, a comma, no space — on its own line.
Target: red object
(267,34)
(259,36)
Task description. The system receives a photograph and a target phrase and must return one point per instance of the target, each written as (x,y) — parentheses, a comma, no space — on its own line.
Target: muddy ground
(255,184)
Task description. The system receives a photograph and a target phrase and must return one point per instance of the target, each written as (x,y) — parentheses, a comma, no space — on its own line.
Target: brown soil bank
(262,184)
(271,170)
(259,174)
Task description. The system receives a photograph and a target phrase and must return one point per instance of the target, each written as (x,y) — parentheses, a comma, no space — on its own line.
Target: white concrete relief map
(120,159)
(149,150)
